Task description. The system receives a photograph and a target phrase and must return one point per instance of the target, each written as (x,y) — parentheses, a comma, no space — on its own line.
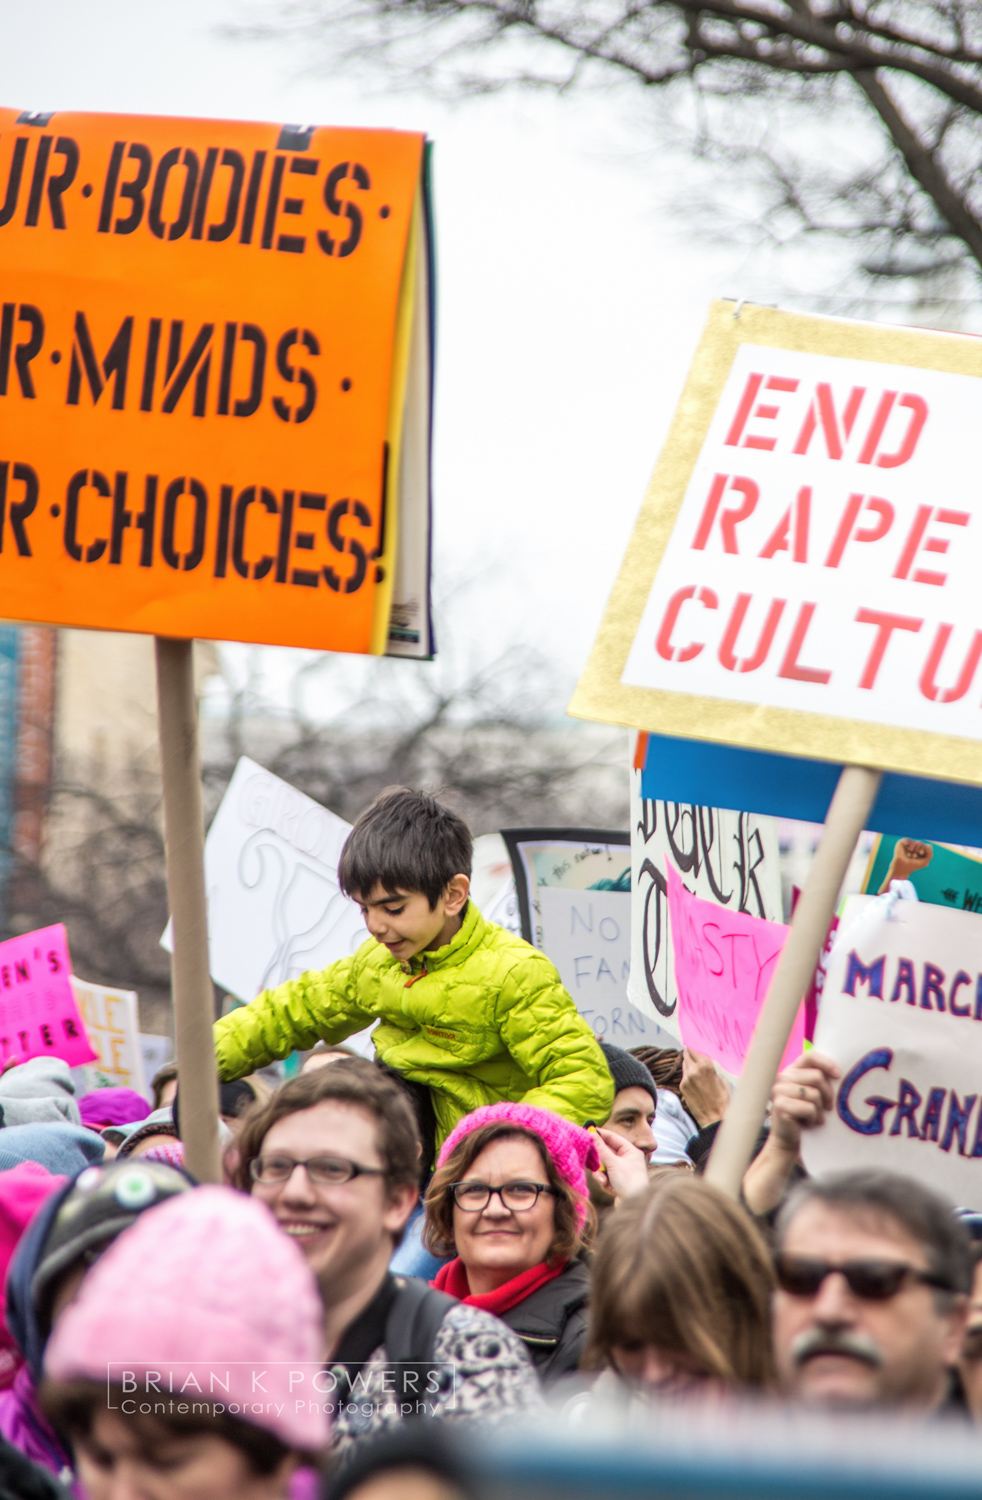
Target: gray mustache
(817,1341)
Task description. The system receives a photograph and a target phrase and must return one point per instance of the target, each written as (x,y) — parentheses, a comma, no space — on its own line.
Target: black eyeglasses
(473,1196)
(328,1171)
(871,1280)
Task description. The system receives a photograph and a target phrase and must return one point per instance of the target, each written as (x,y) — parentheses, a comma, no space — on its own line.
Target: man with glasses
(873,1279)
(335,1156)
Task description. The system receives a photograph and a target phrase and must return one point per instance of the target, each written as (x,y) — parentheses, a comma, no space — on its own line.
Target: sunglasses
(870,1280)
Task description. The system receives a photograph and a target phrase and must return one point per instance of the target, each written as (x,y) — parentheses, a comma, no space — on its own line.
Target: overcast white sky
(568,308)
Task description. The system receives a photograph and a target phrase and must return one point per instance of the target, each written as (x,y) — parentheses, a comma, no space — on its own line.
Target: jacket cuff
(698,1146)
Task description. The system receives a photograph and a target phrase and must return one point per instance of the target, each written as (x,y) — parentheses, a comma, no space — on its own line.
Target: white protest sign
(805,570)
(587,934)
(569,859)
(275,908)
(503,908)
(155,1051)
(112,1022)
(731,858)
(493,883)
(901,1014)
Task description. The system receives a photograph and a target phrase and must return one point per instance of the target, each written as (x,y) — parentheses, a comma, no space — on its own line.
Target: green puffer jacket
(481,1020)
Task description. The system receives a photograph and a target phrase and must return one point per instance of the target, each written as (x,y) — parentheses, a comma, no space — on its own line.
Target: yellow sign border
(601,695)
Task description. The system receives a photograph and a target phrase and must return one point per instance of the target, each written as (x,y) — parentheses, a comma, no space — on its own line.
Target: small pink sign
(38,1014)
(724,963)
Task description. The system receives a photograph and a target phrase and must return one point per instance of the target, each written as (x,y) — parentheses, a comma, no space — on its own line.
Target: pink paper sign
(38,1014)
(724,963)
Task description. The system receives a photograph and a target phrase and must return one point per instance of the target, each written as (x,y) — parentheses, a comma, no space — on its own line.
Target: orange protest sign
(215,362)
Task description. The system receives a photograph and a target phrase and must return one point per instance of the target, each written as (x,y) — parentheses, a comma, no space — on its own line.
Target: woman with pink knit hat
(509,1201)
(189,1364)
(22,1191)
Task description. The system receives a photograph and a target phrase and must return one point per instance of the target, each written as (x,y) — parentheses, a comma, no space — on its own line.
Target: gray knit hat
(627,1072)
(102,1203)
(37,1092)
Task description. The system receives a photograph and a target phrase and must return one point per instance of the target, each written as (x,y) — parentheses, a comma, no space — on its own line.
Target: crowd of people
(486,1223)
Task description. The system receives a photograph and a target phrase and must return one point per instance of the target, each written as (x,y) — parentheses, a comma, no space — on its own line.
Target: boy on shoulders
(463,1007)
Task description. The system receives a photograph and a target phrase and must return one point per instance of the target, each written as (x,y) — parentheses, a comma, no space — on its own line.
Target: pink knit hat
(571,1148)
(22,1191)
(112,1106)
(204,1298)
(169,1152)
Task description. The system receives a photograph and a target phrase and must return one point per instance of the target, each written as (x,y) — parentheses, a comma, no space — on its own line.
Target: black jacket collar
(542,1315)
(362,1337)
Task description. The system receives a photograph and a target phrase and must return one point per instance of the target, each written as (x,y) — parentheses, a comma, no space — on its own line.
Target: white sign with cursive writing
(731,858)
(275,908)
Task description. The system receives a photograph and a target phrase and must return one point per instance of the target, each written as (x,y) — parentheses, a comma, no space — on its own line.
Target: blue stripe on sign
(788,786)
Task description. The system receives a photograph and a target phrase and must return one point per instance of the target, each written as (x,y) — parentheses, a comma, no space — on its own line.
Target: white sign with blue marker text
(901,1014)
(587,934)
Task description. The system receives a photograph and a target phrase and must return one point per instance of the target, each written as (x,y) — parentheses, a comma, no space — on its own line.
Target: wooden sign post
(802,583)
(184,832)
(737,1135)
(215,385)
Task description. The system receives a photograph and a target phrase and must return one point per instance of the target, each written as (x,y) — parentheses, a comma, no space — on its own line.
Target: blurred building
(78,723)
(28,692)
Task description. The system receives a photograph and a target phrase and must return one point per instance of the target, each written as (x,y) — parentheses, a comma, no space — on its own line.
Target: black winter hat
(101,1204)
(233,1100)
(627,1072)
(144,1133)
(423,1444)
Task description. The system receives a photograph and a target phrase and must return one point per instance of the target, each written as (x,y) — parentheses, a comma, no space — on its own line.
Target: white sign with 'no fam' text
(587,934)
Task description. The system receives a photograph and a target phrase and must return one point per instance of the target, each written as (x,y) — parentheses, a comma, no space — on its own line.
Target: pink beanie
(112,1106)
(571,1148)
(203,1299)
(171,1153)
(22,1191)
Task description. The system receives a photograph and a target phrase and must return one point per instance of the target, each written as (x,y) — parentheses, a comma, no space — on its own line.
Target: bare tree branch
(923,165)
(910,70)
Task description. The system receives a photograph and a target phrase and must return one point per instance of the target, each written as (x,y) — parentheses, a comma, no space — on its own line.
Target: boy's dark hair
(350,1081)
(406,841)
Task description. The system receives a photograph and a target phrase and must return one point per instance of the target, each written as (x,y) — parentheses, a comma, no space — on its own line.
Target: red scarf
(452,1278)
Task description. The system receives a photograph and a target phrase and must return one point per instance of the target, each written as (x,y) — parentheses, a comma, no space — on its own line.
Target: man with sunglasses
(970,1363)
(873,1276)
(335,1156)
